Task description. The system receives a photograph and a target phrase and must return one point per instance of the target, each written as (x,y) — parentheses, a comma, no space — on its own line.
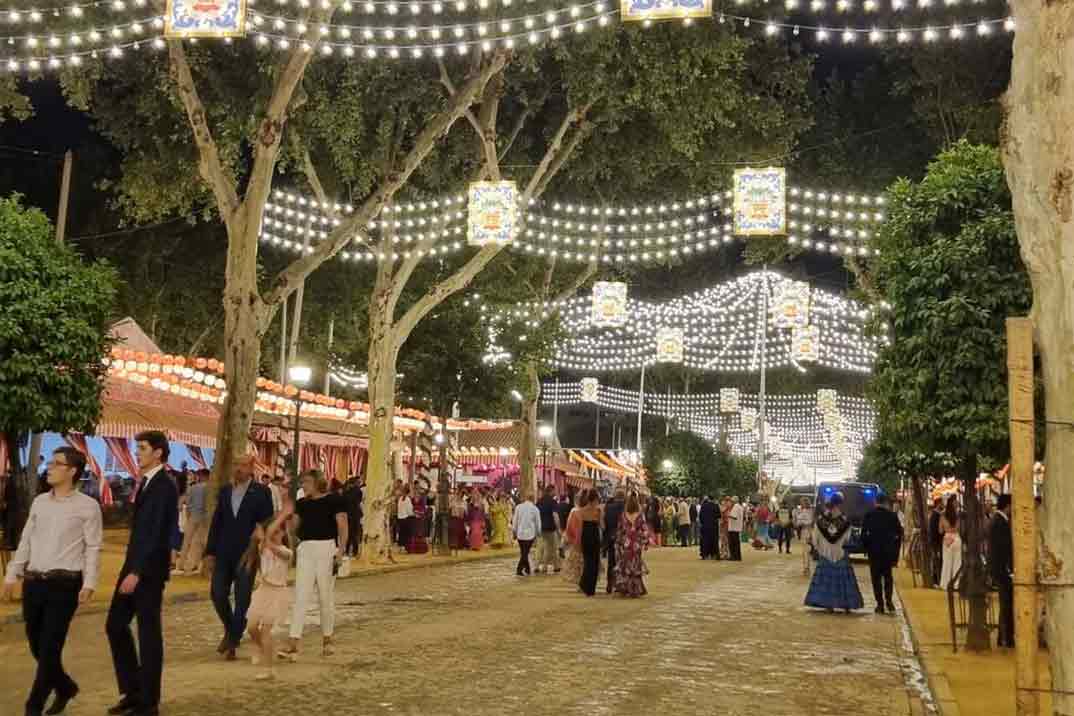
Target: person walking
(761,515)
(683,513)
(475,515)
(589,515)
(572,538)
(526,526)
(708,520)
(548,557)
(271,601)
(457,521)
(935,540)
(724,548)
(196,535)
(785,519)
(881,536)
(834,585)
(612,512)
(500,510)
(321,525)
(952,545)
(631,541)
(58,559)
(735,523)
(1001,563)
(241,506)
(564,509)
(140,587)
(352,496)
(670,517)
(695,532)
(654,518)
(404,516)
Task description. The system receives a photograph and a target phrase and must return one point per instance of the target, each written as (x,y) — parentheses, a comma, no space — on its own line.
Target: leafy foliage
(950,269)
(696,468)
(53,328)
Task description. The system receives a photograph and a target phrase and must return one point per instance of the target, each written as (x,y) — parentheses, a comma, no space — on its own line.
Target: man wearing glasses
(58,559)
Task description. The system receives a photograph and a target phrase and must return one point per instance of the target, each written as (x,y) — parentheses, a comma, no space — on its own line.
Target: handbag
(342,567)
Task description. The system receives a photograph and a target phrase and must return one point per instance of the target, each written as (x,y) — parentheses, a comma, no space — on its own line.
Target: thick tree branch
(534,187)
(561,157)
(443,290)
(270,130)
(445,79)
(212,170)
(395,178)
(521,122)
(490,110)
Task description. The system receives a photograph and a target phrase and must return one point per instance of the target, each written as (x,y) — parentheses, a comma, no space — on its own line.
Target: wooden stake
(65,195)
(1024,517)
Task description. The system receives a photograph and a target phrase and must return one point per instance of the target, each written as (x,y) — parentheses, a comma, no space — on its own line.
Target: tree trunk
(243,313)
(527,451)
(973,585)
(376,543)
(922,515)
(1038,147)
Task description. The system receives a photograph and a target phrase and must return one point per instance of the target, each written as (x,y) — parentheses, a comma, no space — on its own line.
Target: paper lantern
(826,400)
(790,305)
(748,419)
(805,344)
(669,345)
(205,18)
(590,390)
(645,10)
(760,202)
(609,304)
(493,212)
(729,400)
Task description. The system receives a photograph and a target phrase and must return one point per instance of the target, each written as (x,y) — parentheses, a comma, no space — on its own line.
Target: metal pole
(1024,514)
(331,337)
(65,195)
(283,342)
(761,395)
(667,416)
(641,404)
(295,450)
(555,410)
(596,438)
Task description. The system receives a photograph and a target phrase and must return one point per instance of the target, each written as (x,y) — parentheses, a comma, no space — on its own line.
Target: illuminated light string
(722,327)
(848,6)
(798,431)
(848,35)
(34,16)
(93,36)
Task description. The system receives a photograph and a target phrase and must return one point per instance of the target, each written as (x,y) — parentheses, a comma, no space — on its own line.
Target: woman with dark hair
(475,515)
(590,516)
(572,539)
(834,585)
(653,514)
(631,540)
(952,544)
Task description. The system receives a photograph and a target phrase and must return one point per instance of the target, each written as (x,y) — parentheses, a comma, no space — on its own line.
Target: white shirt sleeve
(92,533)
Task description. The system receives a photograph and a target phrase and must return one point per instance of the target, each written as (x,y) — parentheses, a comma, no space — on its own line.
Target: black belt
(53,575)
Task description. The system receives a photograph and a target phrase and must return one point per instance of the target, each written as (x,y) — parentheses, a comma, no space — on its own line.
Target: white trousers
(314,569)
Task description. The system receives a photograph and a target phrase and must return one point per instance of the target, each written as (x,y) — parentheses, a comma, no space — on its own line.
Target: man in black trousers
(612,512)
(240,507)
(1001,553)
(881,535)
(140,591)
(708,516)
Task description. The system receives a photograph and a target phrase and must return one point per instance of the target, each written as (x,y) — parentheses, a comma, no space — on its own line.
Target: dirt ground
(710,638)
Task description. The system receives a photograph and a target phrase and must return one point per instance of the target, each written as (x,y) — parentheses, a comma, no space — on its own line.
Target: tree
(949,268)
(53,333)
(684,464)
(1038,151)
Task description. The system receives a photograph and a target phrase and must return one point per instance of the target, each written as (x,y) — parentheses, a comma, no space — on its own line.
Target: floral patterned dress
(631,541)
(501,516)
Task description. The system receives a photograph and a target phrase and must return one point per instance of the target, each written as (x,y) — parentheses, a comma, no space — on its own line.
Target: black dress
(590,557)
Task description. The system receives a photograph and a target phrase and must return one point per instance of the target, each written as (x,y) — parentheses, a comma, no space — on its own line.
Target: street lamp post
(545,431)
(300,377)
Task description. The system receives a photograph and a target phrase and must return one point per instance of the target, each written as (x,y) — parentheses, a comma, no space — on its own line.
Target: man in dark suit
(140,590)
(1001,562)
(708,516)
(881,536)
(240,507)
(612,512)
(935,540)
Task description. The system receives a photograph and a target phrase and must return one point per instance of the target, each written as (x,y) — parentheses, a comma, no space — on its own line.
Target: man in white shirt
(526,525)
(683,508)
(734,530)
(58,558)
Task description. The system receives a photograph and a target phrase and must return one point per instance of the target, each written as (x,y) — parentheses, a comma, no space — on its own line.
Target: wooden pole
(331,336)
(1024,516)
(65,195)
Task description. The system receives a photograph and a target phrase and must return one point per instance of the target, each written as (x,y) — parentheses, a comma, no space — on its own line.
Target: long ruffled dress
(499,512)
(572,536)
(834,584)
(631,541)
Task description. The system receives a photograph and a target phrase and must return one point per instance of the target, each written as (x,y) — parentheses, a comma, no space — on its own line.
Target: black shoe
(126,705)
(148,711)
(60,702)
(224,645)
(879,609)
(30,711)
(891,607)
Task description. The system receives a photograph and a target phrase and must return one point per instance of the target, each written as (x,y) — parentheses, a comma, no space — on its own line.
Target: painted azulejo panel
(760,201)
(493,212)
(205,18)
(805,344)
(728,400)
(638,10)
(609,304)
(669,345)
(590,390)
